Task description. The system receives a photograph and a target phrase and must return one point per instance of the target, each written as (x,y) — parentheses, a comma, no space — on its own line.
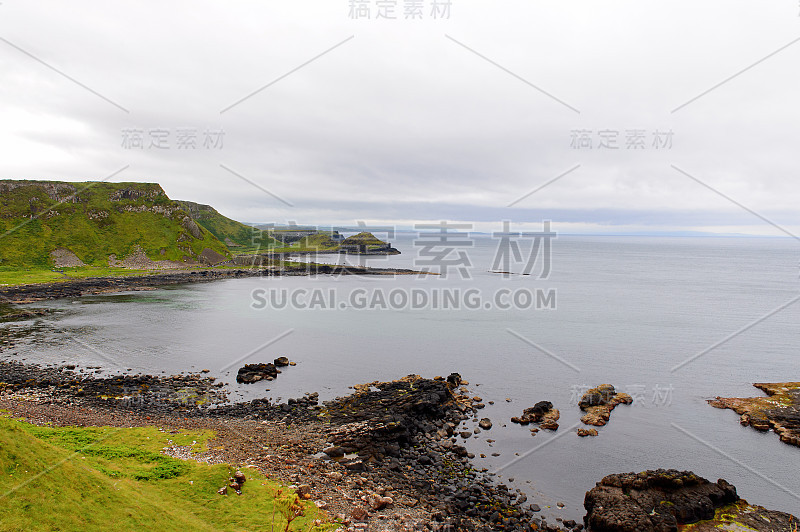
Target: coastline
(31,293)
(385,456)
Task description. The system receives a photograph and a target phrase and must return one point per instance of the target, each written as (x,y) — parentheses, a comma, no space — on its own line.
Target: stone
(485,423)
(377,502)
(587,432)
(334,452)
(359,514)
(281,362)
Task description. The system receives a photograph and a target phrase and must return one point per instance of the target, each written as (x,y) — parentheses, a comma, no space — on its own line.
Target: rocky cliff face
(61,192)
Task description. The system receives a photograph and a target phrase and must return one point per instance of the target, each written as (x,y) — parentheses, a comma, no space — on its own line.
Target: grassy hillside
(366,239)
(86,479)
(95,220)
(237,236)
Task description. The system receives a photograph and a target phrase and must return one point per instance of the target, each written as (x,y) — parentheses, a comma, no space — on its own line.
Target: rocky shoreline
(103,285)
(386,457)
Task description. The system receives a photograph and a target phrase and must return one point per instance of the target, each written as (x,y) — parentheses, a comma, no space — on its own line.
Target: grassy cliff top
(94,220)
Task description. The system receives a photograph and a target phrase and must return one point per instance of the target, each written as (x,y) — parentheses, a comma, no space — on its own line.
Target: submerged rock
(780,410)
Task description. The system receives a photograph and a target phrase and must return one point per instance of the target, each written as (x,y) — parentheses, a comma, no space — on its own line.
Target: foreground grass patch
(116,479)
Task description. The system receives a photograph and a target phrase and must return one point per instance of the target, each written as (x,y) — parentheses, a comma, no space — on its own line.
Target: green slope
(237,236)
(95,220)
(87,479)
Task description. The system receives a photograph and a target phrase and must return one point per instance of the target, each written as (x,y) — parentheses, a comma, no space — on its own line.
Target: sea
(673,321)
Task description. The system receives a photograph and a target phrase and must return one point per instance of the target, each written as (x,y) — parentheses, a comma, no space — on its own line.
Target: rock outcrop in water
(250,373)
(541,413)
(670,500)
(779,411)
(599,402)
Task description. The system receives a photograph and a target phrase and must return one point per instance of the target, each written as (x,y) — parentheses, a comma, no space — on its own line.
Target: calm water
(628,310)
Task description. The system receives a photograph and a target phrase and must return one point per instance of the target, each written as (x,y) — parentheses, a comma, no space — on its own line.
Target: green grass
(93,220)
(244,238)
(318,242)
(84,479)
(363,239)
(17,276)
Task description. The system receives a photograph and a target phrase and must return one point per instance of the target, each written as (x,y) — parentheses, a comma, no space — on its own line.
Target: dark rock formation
(250,373)
(406,430)
(666,500)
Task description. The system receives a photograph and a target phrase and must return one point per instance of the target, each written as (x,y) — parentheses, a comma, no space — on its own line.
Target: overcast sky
(405,120)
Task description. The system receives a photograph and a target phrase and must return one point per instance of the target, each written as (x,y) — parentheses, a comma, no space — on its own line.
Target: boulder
(359,514)
(654,501)
(251,373)
(454,380)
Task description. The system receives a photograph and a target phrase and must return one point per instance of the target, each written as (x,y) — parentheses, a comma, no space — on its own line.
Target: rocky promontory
(779,410)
